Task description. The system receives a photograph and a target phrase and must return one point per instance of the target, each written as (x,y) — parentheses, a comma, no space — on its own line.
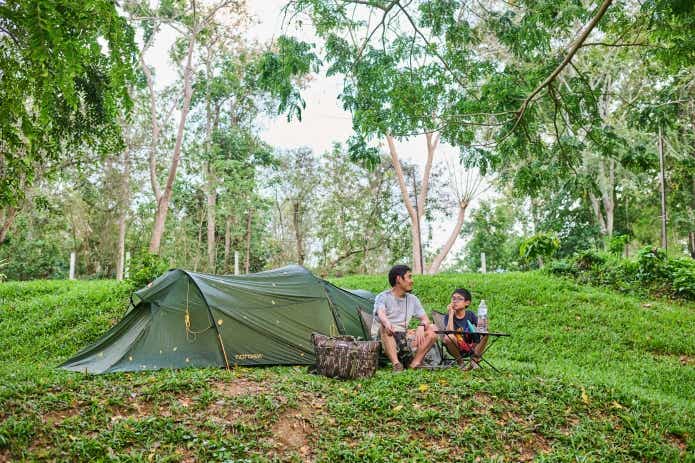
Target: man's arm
(385,323)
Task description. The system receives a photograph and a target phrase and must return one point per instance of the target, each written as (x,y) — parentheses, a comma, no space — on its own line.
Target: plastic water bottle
(482,317)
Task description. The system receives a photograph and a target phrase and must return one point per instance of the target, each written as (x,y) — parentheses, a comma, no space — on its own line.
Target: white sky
(323,121)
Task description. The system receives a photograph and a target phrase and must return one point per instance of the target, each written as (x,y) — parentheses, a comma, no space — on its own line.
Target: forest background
(556,114)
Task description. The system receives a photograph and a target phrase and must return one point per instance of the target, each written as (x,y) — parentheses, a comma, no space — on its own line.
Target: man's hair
(464,293)
(397,271)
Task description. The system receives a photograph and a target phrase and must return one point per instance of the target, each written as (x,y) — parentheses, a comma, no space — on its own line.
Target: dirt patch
(4,456)
(58,416)
(186,455)
(535,445)
(239,386)
(225,414)
(685,360)
(292,430)
(485,399)
(677,441)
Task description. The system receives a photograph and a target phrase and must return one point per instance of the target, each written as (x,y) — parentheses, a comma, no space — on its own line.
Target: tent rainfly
(185,319)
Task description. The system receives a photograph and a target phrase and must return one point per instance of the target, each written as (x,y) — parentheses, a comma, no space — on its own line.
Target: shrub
(651,264)
(562,267)
(682,273)
(616,244)
(589,258)
(651,272)
(144,268)
(541,245)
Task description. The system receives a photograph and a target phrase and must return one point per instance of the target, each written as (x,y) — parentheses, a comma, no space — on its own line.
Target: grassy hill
(588,375)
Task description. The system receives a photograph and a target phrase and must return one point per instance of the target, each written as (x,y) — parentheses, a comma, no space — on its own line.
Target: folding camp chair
(466,354)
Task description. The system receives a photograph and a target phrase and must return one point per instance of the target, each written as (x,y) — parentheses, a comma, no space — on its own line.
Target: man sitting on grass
(394,308)
(459,318)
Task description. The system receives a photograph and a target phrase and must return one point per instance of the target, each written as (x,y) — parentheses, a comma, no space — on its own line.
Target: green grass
(588,375)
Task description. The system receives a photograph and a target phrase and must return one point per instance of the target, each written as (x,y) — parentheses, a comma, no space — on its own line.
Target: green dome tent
(185,319)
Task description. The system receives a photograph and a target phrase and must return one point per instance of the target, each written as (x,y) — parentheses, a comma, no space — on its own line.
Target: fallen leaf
(585,397)
(423,388)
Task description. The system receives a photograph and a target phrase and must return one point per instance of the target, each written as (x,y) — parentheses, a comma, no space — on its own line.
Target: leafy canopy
(65,68)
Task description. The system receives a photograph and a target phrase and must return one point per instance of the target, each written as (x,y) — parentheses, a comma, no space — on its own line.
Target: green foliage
(541,245)
(65,67)
(652,272)
(40,258)
(617,243)
(144,267)
(276,72)
(490,229)
(562,394)
(682,274)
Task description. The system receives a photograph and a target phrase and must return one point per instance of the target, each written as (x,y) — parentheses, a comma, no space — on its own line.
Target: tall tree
(65,68)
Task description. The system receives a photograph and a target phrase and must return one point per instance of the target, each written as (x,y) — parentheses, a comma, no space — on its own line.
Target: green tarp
(185,319)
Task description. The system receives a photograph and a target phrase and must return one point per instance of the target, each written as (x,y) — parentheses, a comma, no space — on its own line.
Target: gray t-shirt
(398,310)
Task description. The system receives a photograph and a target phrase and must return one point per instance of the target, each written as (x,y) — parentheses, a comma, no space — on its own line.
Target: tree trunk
(691,234)
(211,203)
(9,215)
(437,262)
(227,243)
(247,262)
(199,243)
(596,206)
(124,206)
(608,194)
(163,201)
(296,221)
(415,216)
(209,168)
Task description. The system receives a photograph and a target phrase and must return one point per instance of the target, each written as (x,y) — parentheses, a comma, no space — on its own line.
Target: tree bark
(211,209)
(414,216)
(210,171)
(163,201)
(297,223)
(596,206)
(247,262)
(196,259)
(227,243)
(608,195)
(437,262)
(9,214)
(123,214)
(691,234)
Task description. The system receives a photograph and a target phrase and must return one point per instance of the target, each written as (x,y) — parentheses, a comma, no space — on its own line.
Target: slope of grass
(588,375)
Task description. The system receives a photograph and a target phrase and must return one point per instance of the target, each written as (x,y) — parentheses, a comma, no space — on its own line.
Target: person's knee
(431,336)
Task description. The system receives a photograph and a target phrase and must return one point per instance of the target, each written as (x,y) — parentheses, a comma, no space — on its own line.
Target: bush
(539,246)
(616,244)
(652,272)
(682,273)
(144,268)
(651,263)
(589,258)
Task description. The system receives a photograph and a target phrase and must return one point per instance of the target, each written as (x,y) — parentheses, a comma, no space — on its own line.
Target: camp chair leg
(483,359)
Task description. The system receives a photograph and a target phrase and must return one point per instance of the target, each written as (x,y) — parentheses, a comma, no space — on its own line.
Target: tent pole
(224,352)
(212,319)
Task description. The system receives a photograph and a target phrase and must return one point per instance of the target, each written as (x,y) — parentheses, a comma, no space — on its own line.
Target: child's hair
(463,292)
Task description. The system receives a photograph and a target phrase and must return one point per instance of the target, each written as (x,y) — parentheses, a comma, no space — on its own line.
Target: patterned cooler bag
(344,357)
